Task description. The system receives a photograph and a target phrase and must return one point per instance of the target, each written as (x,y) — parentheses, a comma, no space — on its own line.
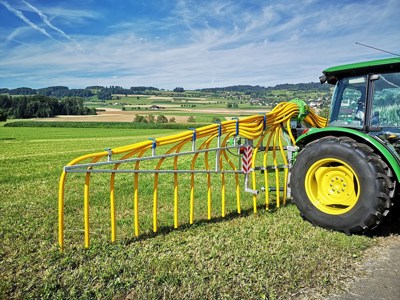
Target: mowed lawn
(269,255)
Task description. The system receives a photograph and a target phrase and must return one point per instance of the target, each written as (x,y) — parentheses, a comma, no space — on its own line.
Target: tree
(3,116)
(151,118)
(162,119)
(172,120)
(216,120)
(179,90)
(139,119)
(104,94)
(22,91)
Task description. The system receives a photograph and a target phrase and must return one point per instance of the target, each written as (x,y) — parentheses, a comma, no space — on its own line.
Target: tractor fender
(380,147)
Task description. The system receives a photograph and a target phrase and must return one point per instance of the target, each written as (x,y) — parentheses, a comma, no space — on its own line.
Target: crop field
(273,254)
(181,115)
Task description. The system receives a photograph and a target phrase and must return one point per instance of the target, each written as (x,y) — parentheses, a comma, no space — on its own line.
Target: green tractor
(346,175)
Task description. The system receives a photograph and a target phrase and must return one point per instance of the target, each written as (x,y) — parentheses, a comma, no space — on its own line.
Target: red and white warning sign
(246,159)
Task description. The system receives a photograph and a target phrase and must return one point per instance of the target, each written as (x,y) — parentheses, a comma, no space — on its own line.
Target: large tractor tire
(340,184)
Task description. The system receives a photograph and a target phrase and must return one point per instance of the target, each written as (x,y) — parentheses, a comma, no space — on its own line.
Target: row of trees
(152,119)
(232,105)
(63,91)
(104,93)
(53,91)
(250,89)
(160,119)
(40,106)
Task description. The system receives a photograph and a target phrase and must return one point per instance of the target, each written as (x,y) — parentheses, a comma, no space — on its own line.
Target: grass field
(269,255)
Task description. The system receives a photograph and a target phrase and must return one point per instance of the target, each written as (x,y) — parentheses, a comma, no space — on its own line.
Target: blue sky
(193,44)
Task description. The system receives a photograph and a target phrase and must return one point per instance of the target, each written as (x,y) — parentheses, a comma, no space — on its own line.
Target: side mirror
(373,129)
(374,77)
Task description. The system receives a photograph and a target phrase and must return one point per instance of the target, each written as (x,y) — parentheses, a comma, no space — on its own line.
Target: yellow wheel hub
(332,186)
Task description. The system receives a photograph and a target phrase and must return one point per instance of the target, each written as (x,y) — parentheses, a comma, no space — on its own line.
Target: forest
(40,106)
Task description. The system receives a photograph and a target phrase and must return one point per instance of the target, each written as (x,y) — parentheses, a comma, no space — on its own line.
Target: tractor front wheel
(340,184)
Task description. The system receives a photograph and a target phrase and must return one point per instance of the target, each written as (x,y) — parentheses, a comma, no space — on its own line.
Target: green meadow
(273,254)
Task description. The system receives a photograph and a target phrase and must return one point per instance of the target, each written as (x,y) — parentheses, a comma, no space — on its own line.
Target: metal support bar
(156,171)
(270,168)
(279,148)
(109,153)
(193,139)
(272,189)
(236,131)
(246,186)
(218,154)
(153,146)
(104,163)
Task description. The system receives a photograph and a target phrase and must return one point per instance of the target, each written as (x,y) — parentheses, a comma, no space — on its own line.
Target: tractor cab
(366,97)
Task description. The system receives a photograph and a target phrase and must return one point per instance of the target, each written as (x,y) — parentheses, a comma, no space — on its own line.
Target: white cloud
(46,20)
(20,15)
(217,44)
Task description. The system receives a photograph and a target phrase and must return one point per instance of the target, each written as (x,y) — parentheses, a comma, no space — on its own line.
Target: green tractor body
(346,175)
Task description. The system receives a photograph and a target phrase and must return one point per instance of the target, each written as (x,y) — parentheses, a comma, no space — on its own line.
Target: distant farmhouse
(156,107)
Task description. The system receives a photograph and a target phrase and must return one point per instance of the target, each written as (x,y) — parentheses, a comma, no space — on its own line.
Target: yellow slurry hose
(273,127)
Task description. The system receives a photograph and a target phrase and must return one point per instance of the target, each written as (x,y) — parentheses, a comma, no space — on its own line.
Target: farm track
(117,115)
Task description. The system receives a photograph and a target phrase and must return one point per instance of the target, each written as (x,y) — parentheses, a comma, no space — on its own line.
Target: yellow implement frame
(272,129)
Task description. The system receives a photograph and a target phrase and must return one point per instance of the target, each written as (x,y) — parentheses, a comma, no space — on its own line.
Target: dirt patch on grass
(118,115)
(110,115)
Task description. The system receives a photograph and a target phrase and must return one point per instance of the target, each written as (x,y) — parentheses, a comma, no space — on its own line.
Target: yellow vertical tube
(155,203)
(286,174)
(86,209)
(136,204)
(209,196)
(136,196)
(239,210)
(285,170)
(176,224)
(223,201)
(265,165)
(191,217)
(112,207)
(61,211)
(208,185)
(276,168)
(253,179)
(223,204)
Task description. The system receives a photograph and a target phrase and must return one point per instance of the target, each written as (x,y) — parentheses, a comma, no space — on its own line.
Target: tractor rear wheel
(340,184)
